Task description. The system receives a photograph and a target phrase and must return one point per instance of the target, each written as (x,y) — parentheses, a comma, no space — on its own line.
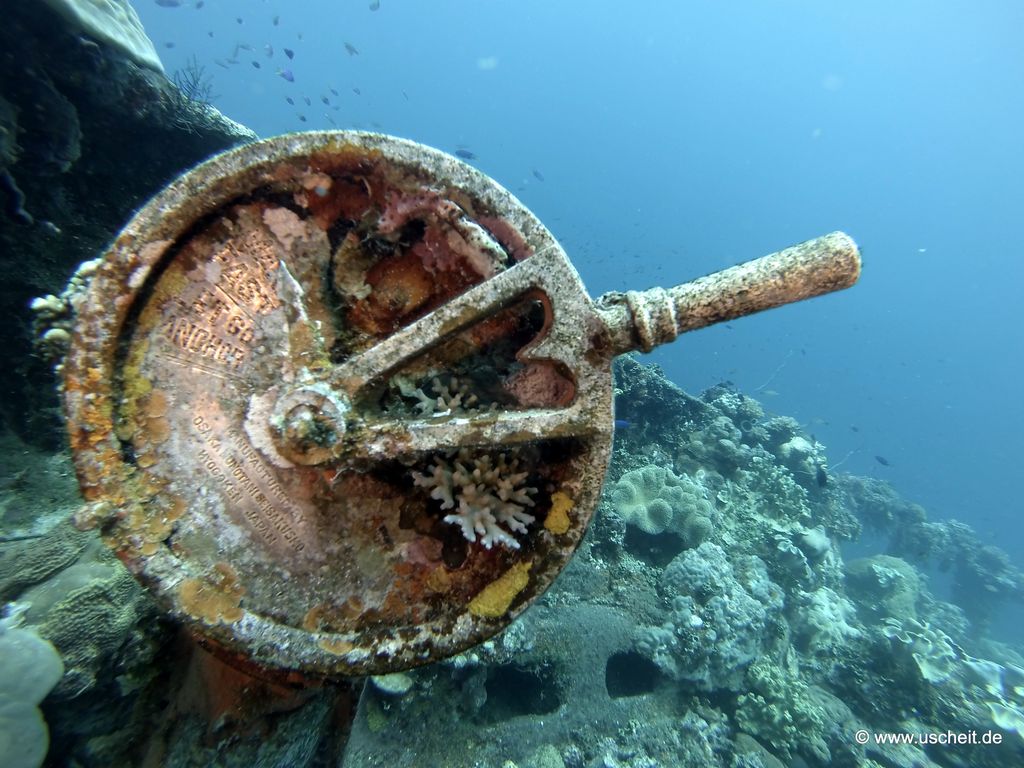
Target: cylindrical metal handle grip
(642,320)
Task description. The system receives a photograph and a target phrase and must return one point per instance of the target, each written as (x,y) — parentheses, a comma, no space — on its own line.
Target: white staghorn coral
(448,398)
(487,492)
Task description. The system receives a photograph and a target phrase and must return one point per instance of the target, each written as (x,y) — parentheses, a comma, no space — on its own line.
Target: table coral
(935,655)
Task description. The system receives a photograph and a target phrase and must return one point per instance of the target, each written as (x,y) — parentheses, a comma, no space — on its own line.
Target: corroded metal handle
(642,320)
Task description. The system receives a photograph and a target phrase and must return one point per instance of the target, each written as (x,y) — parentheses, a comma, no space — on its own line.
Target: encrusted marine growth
(932,650)
(655,499)
(777,711)
(486,493)
(722,611)
(54,315)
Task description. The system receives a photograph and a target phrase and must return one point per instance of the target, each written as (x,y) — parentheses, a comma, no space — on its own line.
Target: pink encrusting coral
(450,241)
(403,208)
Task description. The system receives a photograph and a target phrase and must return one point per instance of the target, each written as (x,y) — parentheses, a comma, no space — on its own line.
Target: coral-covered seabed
(708,619)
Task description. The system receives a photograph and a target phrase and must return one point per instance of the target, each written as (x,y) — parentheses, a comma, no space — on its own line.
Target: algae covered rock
(24,562)
(823,622)
(722,617)
(777,711)
(114,22)
(884,586)
(90,127)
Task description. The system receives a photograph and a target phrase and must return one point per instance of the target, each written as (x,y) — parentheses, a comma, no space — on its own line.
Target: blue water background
(678,138)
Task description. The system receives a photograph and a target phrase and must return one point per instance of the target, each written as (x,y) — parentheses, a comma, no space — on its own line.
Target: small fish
(168,3)
(334,92)
(289,53)
(199,4)
(277,20)
(308,102)
(883,461)
(256,64)
(325,100)
(357,92)
(375,5)
(623,424)
(168,45)
(302,118)
(287,75)
(465,154)
(290,100)
(238,20)
(538,175)
(269,50)
(822,477)
(854,428)
(351,49)
(330,120)
(769,393)
(406,95)
(210,33)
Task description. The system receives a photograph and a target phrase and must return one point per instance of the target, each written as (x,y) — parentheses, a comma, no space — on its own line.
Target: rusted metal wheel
(302,357)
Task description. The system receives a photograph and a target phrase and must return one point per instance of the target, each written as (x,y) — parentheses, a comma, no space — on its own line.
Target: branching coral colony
(488,493)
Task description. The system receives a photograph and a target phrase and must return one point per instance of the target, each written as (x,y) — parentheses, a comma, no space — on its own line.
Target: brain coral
(654,499)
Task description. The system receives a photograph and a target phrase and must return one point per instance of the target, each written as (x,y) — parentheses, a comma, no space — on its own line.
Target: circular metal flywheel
(343,404)
(317,413)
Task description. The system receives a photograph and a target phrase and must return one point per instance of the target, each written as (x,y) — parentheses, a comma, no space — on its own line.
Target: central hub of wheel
(308,424)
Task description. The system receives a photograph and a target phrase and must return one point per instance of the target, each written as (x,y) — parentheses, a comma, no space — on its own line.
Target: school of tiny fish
(286,63)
